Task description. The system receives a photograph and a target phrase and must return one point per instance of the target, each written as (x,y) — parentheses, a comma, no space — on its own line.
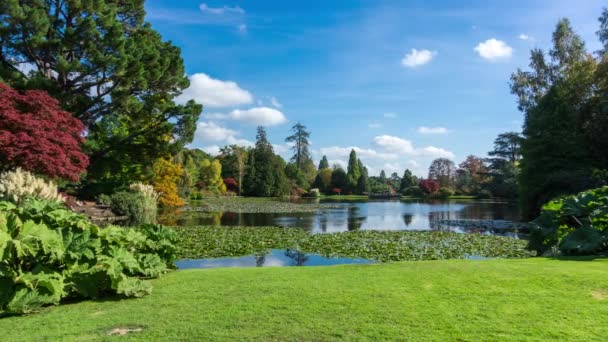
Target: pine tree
(323,164)
(353,172)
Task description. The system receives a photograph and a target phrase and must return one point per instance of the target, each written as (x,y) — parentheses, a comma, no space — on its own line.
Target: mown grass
(382,246)
(533,299)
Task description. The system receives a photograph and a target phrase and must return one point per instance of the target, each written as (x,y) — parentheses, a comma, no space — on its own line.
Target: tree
(429,186)
(323,164)
(408,180)
(234,161)
(477,171)
(296,176)
(363,182)
(382,177)
(211,176)
(508,147)
(338,179)
(107,67)
(265,171)
(353,172)
(323,180)
(443,171)
(166,176)
(555,160)
(36,135)
(301,145)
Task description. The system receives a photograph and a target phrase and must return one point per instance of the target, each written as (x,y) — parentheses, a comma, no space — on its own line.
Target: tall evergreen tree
(408,180)
(363,182)
(353,172)
(301,145)
(382,177)
(323,164)
(265,175)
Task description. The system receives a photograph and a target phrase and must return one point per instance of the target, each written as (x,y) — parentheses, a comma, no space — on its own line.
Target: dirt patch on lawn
(600,294)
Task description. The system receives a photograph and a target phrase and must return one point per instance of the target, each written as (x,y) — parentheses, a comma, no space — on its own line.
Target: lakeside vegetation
(381,246)
(534,299)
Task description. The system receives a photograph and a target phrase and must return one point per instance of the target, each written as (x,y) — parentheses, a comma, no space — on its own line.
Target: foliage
(17,186)
(211,176)
(407,181)
(314,193)
(429,186)
(166,176)
(338,179)
(234,161)
(376,185)
(560,99)
(413,191)
(139,207)
(265,171)
(323,164)
(574,225)
(146,189)
(111,70)
(49,253)
(443,193)
(323,180)
(36,135)
(363,182)
(507,146)
(301,145)
(231,184)
(353,172)
(443,171)
(382,246)
(477,173)
(296,176)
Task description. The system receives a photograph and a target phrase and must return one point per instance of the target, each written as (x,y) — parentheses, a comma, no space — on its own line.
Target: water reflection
(348,216)
(274,258)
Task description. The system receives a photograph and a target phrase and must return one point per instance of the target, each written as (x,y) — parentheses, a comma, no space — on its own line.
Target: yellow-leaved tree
(211,176)
(166,176)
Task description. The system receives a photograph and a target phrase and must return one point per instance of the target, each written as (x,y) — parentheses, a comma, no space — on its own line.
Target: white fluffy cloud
(221,10)
(417,58)
(493,49)
(524,36)
(337,152)
(212,132)
(432,130)
(264,116)
(394,144)
(211,92)
(213,150)
(435,152)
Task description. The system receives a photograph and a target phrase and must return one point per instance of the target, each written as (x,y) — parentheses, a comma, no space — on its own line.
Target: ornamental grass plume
(18,185)
(145,189)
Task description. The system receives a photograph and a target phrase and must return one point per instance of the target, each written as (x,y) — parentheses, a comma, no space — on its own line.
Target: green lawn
(449,300)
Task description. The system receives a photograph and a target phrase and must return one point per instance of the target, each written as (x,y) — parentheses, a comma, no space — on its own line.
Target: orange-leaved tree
(166,175)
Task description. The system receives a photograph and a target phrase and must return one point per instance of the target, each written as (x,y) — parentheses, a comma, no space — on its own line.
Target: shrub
(573,225)
(145,189)
(138,207)
(231,184)
(37,135)
(49,253)
(429,186)
(443,193)
(484,194)
(413,191)
(16,186)
(314,193)
(104,199)
(196,195)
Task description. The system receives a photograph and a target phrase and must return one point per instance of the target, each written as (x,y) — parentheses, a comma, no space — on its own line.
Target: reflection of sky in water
(377,215)
(275,258)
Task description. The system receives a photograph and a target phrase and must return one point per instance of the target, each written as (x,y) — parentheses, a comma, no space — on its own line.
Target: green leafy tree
(353,172)
(234,163)
(555,158)
(408,180)
(443,171)
(110,69)
(265,176)
(338,178)
(323,164)
(323,180)
(382,177)
(363,182)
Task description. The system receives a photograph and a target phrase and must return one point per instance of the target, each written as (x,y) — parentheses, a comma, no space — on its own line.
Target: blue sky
(403,82)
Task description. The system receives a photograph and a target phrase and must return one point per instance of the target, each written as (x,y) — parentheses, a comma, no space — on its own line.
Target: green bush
(139,208)
(413,191)
(573,225)
(48,253)
(443,193)
(196,195)
(484,194)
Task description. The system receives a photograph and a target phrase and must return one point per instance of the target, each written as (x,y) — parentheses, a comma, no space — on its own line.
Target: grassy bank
(454,300)
(383,246)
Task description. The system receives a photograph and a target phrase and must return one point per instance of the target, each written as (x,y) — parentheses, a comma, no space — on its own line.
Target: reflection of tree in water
(353,220)
(407,218)
(434,217)
(298,258)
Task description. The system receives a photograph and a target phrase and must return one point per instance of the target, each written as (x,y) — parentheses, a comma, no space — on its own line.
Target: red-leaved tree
(231,184)
(36,135)
(429,186)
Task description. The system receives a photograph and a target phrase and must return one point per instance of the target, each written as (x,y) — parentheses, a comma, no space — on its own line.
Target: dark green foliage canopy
(323,164)
(301,145)
(108,68)
(265,175)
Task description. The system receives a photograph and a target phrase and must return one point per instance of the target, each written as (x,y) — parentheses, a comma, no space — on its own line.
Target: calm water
(276,257)
(355,215)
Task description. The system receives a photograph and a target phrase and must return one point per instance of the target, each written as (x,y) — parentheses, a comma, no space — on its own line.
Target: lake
(488,217)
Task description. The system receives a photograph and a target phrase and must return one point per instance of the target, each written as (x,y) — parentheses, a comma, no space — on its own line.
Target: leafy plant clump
(381,246)
(18,185)
(139,208)
(573,225)
(49,253)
